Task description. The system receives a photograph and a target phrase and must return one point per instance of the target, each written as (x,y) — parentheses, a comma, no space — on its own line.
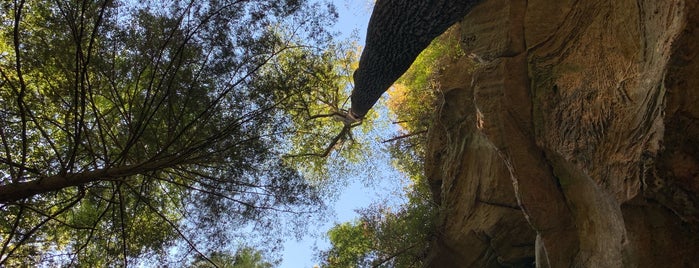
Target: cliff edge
(574,142)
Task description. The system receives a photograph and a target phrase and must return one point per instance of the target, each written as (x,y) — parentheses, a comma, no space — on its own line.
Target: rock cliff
(574,142)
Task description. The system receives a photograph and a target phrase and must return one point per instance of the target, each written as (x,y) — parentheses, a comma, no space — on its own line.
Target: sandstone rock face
(574,142)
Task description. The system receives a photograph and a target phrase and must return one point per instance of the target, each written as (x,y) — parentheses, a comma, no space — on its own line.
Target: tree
(351,243)
(315,89)
(128,127)
(383,238)
(245,257)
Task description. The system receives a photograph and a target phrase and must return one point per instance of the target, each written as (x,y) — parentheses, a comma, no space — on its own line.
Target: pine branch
(17,191)
(31,232)
(172,224)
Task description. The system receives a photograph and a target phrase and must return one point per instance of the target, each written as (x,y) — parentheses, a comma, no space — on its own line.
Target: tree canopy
(384,236)
(245,257)
(132,127)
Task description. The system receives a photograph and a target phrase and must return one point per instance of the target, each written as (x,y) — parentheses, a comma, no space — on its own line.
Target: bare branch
(12,233)
(22,86)
(17,165)
(344,134)
(390,257)
(405,136)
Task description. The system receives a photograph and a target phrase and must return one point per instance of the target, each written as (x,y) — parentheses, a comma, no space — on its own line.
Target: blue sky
(386,183)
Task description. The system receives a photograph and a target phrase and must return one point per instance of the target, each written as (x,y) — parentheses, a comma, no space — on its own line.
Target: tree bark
(398,31)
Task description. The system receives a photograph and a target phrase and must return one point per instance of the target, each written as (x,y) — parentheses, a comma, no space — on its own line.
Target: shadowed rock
(574,141)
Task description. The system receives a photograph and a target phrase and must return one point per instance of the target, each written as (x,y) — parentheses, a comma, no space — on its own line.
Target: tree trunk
(17,191)
(575,142)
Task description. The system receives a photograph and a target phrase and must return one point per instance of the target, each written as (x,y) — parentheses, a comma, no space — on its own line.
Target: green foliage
(128,128)
(413,97)
(382,237)
(351,243)
(385,236)
(314,87)
(245,257)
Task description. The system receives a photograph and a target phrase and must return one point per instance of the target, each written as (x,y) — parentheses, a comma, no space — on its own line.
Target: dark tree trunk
(398,31)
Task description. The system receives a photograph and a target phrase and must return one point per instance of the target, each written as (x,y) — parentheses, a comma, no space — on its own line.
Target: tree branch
(31,232)
(22,86)
(53,217)
(390,257)
(323,115)
(12,233)
(17,165)
(17,191)
(172,224)
(93,229)
(328,149)
(405,136)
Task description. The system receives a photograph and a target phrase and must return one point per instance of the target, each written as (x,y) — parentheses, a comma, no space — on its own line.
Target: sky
(386,182)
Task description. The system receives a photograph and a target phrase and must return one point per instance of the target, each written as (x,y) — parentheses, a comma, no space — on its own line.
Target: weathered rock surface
(574,142)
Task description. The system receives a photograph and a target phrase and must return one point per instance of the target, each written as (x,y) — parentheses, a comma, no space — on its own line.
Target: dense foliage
(384,236)
(129,128)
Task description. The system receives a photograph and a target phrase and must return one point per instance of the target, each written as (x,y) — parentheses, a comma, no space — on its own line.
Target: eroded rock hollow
(574,142)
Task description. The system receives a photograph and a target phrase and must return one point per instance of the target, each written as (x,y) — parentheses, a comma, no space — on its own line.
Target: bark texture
(398,31)
(574,142)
